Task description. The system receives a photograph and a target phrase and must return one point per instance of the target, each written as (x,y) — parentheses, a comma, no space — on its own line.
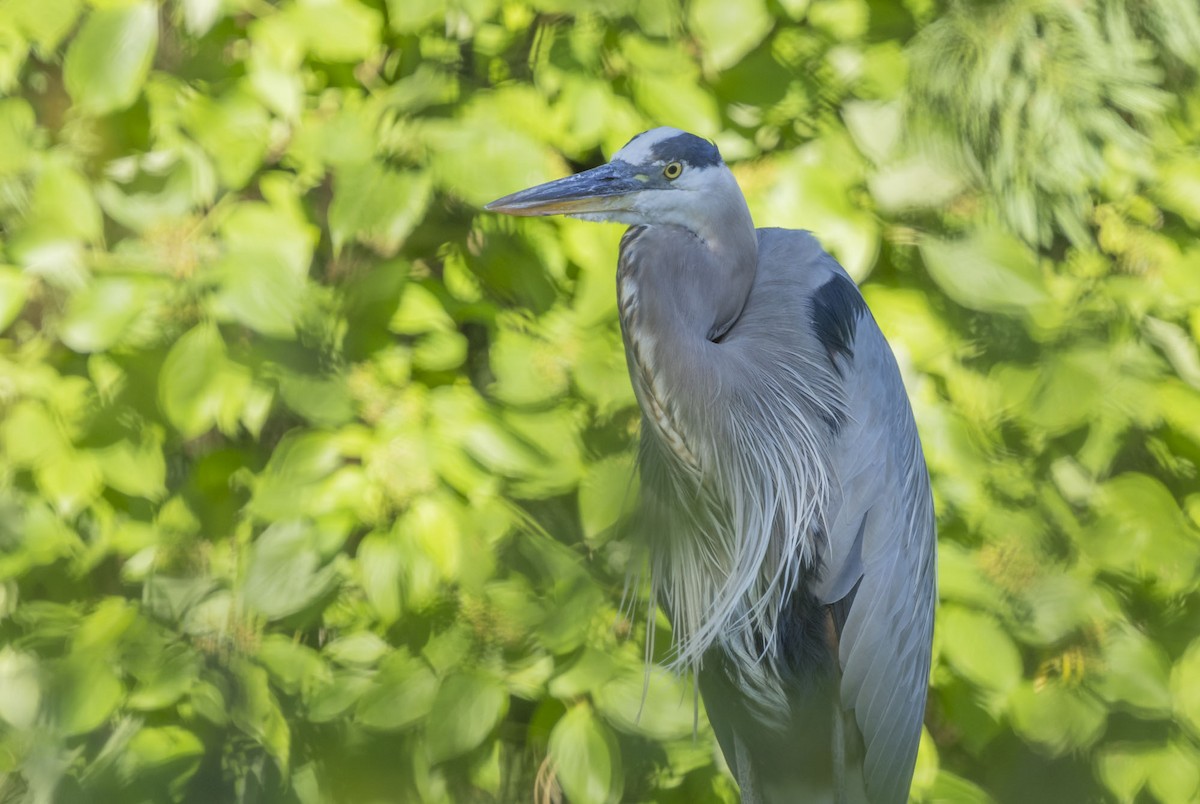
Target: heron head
(661,176)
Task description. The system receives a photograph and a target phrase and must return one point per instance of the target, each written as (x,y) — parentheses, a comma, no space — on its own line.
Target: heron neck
(689,285)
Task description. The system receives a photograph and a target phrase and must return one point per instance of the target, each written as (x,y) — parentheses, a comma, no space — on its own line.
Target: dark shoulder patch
(688,148)
(836,308)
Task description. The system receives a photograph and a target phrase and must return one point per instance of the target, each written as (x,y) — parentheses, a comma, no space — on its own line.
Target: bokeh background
(311,472)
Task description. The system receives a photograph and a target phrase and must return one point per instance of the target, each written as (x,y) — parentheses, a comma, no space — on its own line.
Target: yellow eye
(673,170)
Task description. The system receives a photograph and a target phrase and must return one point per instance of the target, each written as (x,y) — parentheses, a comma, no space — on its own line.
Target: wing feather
(884,647)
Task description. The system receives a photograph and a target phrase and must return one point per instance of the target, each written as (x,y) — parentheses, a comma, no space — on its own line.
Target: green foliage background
(309,470)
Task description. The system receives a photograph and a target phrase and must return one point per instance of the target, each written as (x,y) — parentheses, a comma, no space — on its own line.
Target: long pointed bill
(602,189)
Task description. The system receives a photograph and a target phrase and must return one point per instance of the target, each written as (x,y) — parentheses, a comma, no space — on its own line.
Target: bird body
(784,496)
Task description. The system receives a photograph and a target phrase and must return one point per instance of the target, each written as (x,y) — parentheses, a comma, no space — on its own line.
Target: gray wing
(880,561)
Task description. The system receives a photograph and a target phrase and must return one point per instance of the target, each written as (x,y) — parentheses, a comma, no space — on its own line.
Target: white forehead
(640,149)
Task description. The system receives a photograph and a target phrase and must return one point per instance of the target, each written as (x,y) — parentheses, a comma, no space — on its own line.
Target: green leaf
(975,645)
(198,386)
(293,666)
(256,712)
(109,58)
(1175,772)
(137,468)
(333,30)
(465,710)
(1141,531)
(298,464)
(1057,717)
(167,755)
(607,488)
(728,31)
(98,317)
(362,649)
(590,670)
(380,568)
(1185,687)
(658,706)
(401,694)
(1135,673)
(161,682)
(83,694)
(377,206)
(989,271)
(285,573)
(587,758)
(20,689)
(951,789)
(14,291)
(330,698)
(260,291)
(1123,769)
(44,22)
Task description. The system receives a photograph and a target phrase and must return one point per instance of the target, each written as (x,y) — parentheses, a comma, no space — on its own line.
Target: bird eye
(673,170)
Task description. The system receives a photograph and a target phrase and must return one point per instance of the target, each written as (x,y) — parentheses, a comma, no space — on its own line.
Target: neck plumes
(680,290)
(732,481)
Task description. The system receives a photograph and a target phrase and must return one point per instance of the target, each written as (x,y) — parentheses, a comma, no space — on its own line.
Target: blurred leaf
(293,667)
(1135,673)
(1185,687)
(169,753)
(256,712)
(20,690)
(1056,717)
(1175,772)
(657,705)
(13,294)
(107,62)
(198,386)
(377,206)
(380,565)
(728,31)
(137,469)
(951,789)
(987,271)
(361,648)
(401,694)
(98,317)
(332,697)
(586,674)
(978,648)
(465,710)
(1142,531)
(83,694)
(300,461)
(260,291)
(284,572)
(605,492)
(587,758)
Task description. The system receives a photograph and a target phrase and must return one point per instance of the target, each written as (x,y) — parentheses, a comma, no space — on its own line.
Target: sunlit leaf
(107,62)
(401,694)
(987,271)
(465,709)
(586,757)
(285,572)
(20,689)
(169,754)
(83,694)
(659,706)
(1057,717)
(727,31)
(978,648)
(256,712)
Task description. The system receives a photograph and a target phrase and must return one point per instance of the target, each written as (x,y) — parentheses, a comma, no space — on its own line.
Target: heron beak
(603,189)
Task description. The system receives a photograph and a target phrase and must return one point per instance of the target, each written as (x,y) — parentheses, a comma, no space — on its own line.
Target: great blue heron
(783,488)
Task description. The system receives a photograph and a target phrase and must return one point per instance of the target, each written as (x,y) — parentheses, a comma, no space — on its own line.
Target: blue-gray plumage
(784,496)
